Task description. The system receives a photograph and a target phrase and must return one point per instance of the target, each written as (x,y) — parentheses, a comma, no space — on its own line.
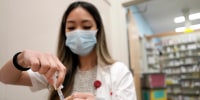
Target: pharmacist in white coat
(83,64)
(116,83)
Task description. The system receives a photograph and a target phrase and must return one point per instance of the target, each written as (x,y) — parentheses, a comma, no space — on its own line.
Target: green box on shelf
(154,94)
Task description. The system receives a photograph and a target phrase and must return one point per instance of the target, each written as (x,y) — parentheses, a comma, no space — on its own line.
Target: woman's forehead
(79,13)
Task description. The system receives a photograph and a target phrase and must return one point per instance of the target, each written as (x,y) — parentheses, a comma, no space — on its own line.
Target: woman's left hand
(81,96)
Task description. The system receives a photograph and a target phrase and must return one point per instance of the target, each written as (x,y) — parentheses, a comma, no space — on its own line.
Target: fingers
(31,59)
(34,63)
(52,66)
(61,72)
(79,99)
(69,98)
(88,96)
(81,96)
(46,64)
(52,69)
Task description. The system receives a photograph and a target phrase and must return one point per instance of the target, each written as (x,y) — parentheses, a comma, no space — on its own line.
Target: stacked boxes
(154,87)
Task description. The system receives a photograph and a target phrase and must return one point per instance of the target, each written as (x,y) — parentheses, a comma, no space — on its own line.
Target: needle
(61,96)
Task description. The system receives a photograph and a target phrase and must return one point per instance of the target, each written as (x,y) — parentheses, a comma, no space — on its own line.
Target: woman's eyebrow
(82,22)
(86,21)
(70,21)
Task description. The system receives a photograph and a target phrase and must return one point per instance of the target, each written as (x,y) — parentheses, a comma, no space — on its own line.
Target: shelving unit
(151,56)
(181,63)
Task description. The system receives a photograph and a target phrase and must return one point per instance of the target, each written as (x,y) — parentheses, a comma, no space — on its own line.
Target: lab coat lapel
(102,92)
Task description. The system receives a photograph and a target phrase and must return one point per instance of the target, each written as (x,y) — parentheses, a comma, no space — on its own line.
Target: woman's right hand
(44,63)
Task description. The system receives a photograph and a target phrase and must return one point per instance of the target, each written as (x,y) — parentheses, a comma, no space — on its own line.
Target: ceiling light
(180,29)
(195,27)
(190,29)
(194,16)
(179,19)
(191,17)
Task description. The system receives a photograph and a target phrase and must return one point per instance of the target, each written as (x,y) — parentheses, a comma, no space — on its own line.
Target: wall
(119,42)
(143,29)
(34,24)
(143,26)
(31,24)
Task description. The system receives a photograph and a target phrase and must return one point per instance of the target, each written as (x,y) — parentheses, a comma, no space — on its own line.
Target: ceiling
(160,14)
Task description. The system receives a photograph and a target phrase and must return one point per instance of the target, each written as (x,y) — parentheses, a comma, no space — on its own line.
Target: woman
(84,65)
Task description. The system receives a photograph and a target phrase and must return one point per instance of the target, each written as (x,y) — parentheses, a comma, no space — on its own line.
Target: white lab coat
(115,78)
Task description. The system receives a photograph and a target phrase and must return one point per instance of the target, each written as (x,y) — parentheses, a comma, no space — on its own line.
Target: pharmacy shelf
(173,85)
(185,94)
(190,79)
(181,65)
(176,68)
(181,73)
(180,61)
(195,87)
(180,43)
(182,57)
(180,51)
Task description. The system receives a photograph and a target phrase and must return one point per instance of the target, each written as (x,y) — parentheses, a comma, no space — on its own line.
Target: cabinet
(181,64)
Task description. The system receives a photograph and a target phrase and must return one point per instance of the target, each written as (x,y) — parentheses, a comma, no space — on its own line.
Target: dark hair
(69,59)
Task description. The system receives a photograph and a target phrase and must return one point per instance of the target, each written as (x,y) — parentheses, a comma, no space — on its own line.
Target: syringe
(61,96)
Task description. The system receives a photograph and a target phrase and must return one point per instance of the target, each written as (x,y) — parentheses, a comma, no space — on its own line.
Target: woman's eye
(71,28)
(87,27)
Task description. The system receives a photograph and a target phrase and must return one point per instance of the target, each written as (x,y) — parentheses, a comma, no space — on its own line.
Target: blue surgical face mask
(81,42)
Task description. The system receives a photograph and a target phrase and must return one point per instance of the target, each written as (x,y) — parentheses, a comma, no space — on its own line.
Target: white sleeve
(38,81)
(123,83)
